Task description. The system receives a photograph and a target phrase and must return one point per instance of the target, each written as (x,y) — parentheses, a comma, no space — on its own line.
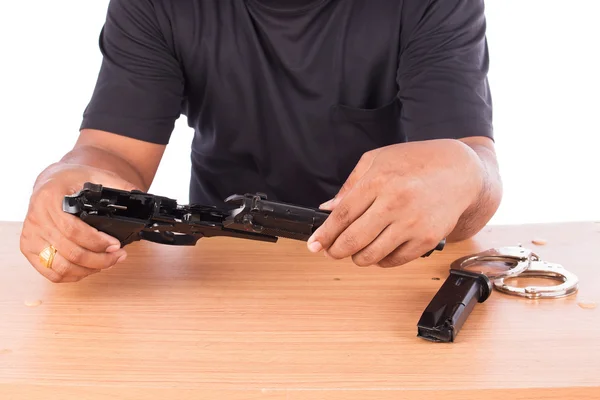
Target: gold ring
(47,256)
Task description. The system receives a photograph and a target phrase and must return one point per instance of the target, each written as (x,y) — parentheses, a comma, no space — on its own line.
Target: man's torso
(285,96)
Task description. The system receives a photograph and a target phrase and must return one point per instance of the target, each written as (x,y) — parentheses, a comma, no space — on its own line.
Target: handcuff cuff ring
(542,269)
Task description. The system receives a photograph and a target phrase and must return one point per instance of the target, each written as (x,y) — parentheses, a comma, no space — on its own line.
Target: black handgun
(135,215)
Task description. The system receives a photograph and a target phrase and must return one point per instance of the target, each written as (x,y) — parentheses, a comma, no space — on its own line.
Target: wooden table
(236,319)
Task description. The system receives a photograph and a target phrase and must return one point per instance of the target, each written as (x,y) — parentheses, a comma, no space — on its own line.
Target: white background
(545,79)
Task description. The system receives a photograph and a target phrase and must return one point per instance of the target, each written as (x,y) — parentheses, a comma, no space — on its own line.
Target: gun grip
(125,231)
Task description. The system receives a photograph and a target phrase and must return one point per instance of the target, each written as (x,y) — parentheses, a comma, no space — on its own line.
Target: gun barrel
(254,213)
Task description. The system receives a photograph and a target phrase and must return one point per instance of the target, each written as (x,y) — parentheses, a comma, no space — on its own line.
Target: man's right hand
(81,249)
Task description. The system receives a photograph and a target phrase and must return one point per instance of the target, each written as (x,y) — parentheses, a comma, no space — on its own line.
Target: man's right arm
(125,129)
(137,97)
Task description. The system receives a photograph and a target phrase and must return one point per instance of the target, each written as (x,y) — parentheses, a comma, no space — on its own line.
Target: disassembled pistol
(134,215)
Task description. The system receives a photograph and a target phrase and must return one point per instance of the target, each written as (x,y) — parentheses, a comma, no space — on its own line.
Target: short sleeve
(442,72)
(140,84)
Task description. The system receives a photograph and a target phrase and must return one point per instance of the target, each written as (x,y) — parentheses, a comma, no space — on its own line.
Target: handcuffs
(472,280)
(523,263)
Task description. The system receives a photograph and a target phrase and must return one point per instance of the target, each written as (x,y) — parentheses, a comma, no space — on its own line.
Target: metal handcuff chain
(523,263)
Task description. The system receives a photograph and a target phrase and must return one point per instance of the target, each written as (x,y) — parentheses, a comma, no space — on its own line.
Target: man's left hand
(400,201)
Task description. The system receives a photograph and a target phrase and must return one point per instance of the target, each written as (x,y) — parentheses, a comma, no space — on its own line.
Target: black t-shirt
(286,95)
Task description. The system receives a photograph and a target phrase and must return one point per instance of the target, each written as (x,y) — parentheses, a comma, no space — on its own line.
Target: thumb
(357,173)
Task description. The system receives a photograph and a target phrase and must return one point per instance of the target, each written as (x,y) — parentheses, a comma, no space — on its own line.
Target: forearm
(486,202)
(95,157)
(104,159)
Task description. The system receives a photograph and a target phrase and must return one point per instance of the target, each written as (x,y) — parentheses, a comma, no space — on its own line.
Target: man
(378,110)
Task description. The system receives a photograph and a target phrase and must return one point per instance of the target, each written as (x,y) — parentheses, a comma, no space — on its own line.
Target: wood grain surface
(237,319)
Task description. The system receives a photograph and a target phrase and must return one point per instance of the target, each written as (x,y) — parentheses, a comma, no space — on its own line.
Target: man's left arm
(400,200)
(489,196)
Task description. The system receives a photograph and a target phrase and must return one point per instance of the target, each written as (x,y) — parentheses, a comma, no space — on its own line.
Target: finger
(390,239)
(65,268)
(70,255)
(361,233)
(48,211)
(82,234)
(354,204)
(84,231)
(403,254)
(34,260)
(78,255)
(55,274)
(357,173)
